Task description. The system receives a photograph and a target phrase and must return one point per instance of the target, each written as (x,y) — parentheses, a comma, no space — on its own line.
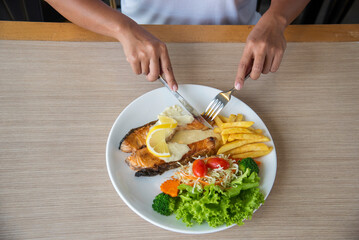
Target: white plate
(139,192)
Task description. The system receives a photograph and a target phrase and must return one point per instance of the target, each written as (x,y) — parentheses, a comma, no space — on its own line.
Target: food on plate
(248,163)
(249,148)
(254,154)
(136,138)
(199,168)
(175,138)
(239,138)
(226,192)
(243,124)
(164,204)
(215,163)
(221,189)
(156,140)
(170,187)
(249,136)
(146,164)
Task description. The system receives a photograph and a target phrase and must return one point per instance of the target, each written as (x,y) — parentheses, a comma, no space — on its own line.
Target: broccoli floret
(164,204)
(248,163)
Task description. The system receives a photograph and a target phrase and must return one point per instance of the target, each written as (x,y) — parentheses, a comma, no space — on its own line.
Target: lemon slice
(167,120)
(156,139)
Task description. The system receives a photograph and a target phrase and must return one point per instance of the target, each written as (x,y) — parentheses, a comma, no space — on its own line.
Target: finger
(136,67)
(276,62)
(166,68)
(243,67)
(257,66)
(267,64)
(154,69)
(145,67)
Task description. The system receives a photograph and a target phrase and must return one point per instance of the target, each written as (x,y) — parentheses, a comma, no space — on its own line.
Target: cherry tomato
(215,163)
(199,168)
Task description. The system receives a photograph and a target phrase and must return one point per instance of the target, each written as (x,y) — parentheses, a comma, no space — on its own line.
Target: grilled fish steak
(135,139)
(147,164)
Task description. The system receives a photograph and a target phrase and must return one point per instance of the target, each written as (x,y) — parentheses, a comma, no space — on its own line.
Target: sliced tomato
(199,168)
(215,163)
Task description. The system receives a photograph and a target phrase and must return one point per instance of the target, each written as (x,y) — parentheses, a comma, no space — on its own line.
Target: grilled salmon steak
(146,164)
(135,139)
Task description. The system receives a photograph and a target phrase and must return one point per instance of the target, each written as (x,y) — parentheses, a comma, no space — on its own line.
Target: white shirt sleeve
(199,12)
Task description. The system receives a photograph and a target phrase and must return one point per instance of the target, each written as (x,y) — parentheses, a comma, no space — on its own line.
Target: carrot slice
(170,187)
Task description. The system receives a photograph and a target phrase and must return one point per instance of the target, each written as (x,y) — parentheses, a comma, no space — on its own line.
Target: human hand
(147,54)
(264,49)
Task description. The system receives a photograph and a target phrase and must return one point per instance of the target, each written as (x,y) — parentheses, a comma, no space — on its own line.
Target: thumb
(243,70)
(244,67)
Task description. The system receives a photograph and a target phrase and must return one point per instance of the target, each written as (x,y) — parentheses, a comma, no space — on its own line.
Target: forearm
(286,10)
(93,15)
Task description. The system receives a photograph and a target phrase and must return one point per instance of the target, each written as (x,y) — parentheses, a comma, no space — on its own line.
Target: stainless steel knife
(186,105)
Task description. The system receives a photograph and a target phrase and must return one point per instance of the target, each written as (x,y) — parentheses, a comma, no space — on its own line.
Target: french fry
(236,130)
(218,122)
(223,118)
(252,154)
(239,118)
(224,138)
(239,138)
(217,130)
(229,146)
(244,124)
(232,118)
(248,136)
(252,147)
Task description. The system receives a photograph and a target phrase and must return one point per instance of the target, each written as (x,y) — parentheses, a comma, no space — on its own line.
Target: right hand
(147,54)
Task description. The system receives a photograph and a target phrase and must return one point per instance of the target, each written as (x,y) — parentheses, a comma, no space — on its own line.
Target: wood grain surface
(10,30)
(58,101)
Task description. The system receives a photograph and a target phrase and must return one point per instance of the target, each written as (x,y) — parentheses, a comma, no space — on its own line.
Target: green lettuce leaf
(217,206)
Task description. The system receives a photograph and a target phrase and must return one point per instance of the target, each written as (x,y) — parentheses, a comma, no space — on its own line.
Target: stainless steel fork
(218,103)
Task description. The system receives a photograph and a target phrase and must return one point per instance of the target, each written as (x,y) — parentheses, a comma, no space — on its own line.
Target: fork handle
(247,76)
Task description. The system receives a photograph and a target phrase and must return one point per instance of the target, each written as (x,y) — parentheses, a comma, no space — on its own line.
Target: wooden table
(59,100)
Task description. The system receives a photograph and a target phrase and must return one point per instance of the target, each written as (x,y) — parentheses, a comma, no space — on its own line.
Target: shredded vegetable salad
(218,176)
(217,190)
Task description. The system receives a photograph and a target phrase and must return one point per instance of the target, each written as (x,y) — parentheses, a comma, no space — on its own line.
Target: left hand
(264,49)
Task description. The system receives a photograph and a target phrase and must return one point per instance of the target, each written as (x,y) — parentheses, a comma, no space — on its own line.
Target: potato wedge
(229,146)
(252,154)
(224,138)
(217,130)
(248,136)
(236,130)
(244,124)
(232,118)
(239,118)
(223,118)
(258,131)
(218,122)
(252,147)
